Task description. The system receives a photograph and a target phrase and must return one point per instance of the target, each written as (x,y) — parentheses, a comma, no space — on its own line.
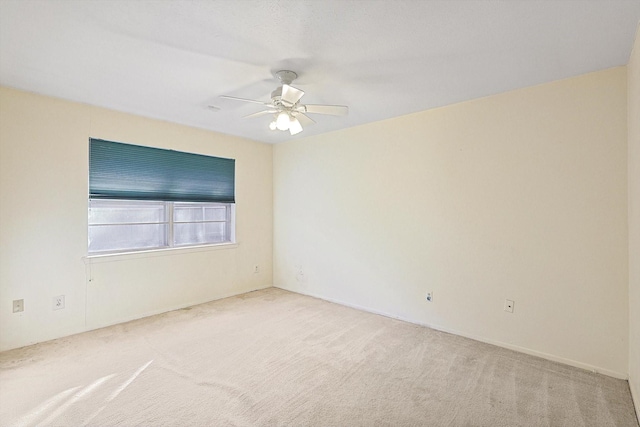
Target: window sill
(120,256)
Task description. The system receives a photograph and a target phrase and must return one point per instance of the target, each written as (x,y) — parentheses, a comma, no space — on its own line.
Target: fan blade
(291,95)
(294,126)
(332,110)
(246,100)
(304,120)
(259,114)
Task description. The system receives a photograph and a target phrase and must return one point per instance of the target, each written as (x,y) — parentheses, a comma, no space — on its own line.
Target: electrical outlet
(508,306)
(58,302)
(256,269)
(429,296)
(18,305)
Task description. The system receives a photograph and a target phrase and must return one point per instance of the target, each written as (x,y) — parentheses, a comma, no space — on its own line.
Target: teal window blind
(126,171)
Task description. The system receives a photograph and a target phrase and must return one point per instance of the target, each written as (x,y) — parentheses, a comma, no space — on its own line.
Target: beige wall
(522,195)
(633,82)
(43,223)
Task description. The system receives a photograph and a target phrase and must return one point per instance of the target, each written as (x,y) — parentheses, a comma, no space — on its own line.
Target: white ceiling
(172,59)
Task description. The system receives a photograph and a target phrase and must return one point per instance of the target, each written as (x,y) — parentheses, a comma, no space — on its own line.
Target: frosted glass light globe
(282,122)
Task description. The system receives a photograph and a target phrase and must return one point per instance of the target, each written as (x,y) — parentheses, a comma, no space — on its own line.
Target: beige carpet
(274,358)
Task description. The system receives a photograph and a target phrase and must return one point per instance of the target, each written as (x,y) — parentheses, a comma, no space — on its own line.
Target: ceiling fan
(288,113)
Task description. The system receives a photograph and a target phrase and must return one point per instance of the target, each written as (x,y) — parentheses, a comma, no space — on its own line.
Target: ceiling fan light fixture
(294,126)
(285,107)
(282,121)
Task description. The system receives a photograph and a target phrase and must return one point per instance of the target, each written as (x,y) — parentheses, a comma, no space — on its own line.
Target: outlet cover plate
(18,305)
(58,302)
(508,305)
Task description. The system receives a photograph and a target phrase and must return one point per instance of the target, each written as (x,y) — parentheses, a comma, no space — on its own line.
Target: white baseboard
(552,357)
(100,325)
(167,310)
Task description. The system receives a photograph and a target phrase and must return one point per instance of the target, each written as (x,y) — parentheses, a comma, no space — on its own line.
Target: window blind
(126,171)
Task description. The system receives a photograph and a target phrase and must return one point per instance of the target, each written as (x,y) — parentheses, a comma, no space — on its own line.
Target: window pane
(200,233)
(119,237)
(192,212)
(117,211)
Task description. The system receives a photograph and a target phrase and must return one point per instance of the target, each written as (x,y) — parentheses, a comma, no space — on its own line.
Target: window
(148,198)
(123,225)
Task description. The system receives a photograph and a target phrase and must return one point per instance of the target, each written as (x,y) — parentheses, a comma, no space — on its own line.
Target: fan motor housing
(276,95)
